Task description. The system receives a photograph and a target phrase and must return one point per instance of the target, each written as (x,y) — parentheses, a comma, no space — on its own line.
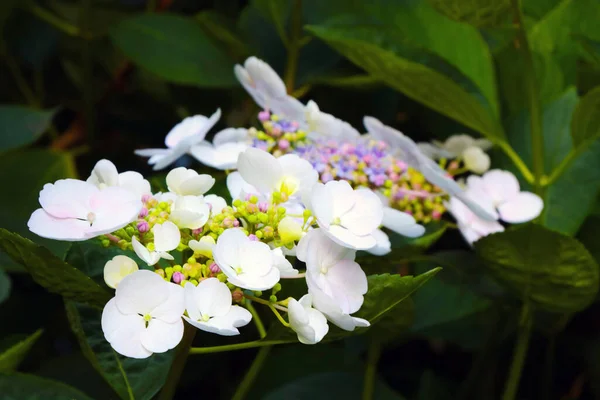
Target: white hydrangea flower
(347,216)
(331,268)
(75,210)
(204,246)
(180,140)
(187,182)
(190,212)
(286,270)
(105,174)
(248,264)
(118,268)
(224,150)
(470,225)
(310,324)
(395,220)
(216,203)
(413,156)
(320,124)
(166,238)
(476,160)
(144,317)
(209,308)
(287,174)
(238,188)
(290,229)
(267,89)
(332,311)
(502,189)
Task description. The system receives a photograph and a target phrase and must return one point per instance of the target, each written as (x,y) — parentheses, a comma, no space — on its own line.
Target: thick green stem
(252,373)
(535,108)
(293,47)
(181,355)
(519,353)
(371,370)
(257,321)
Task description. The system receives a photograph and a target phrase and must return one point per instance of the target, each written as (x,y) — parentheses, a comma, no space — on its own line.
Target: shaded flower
(118,268)
(105,174)
(309,324)
(187,182)
(166,238)
(224,150)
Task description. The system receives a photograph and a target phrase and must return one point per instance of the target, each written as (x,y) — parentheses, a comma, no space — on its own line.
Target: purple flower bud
(143,213)
(143,226)
(264,116)
(197,231)
(283,144)
(146,198)
(178,277)
(263,206)
(214,268)
(253,237)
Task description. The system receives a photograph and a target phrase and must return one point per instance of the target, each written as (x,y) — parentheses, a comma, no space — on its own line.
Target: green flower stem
(373,355)
(560,168)
(517,161)
(55,21)
(237,346)
(181,355)
(257,321)
(514,376)
(257,364)
(293,47)
(535,109)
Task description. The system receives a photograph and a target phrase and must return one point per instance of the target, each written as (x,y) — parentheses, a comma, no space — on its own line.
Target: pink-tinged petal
(173,307)
(469,234)
(523,207)
(366,214)
(45,225)
(161,336)
(348,239)
(113,208)
(500,185)
(141,293)
(212,298)
(67,198)
(260,169)
(104,173)
(123,332)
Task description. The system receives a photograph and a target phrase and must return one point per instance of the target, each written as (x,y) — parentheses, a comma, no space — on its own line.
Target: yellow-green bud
(177,268)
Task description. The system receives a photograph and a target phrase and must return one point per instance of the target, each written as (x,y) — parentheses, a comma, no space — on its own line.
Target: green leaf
(585,124)
(129,377)
(25,173)
(174,48)
(223,31)
(346,385)
(51,272)
(479,13)
(553,271)
(420,82)
(12,357)
(90,257)
(4,285)
(591,49)
(20,126)
(30,387)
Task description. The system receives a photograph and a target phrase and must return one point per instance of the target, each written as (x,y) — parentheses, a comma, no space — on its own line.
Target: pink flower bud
(143,227)
(436,215)
(214,268)
(236,223)
(143,213)
(178,277)
(146,198)
(264,116)
(253,237)
(237,295)
(197,231)
(283,144)
(263,206)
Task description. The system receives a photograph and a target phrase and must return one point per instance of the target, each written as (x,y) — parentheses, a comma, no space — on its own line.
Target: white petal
(45,225)
(189,212)
(226,251)
(238,187)
(118,268)
(141,292)
(321,204)
(173,307)
(457,144)
(161,336)
(523,207)
(123,331)
(348,239)
(225,325)
(213,298)
(223,157)
(230,135)
(286,270)
(104,174)
(500,185)
(151,152)
(319,251)
(166,236)
(217,203)
(401,223)
(187,182)
(343,197)
(348,283)
(191,130)
(191,306)
(149,257)
(383,245)
(255,258)
(476,160)
(333,313)
(299,170)
(162,161)
(135,182)
(366,214)
(260,169)
(114,208)
(67,198)
(255,282)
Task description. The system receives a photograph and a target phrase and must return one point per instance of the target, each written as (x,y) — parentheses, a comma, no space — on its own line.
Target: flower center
(336,221)
(288,185)
(91,217)
(205,318)
(238,270)
(324,270)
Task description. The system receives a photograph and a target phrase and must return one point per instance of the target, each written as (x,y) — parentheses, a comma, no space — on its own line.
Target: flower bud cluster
(278,136)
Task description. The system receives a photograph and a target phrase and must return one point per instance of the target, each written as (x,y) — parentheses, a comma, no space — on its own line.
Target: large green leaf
(544,267)
(30,387)
(414,79)
(479,13)
(51,272)
(129,377)
(11,358)
(25,173)
(345,385)
(20,126)
(585,124)
(568,201)
(174,48)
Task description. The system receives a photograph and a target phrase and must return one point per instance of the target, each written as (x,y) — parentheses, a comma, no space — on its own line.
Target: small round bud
(273,299)
(178,277)
(177,268)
